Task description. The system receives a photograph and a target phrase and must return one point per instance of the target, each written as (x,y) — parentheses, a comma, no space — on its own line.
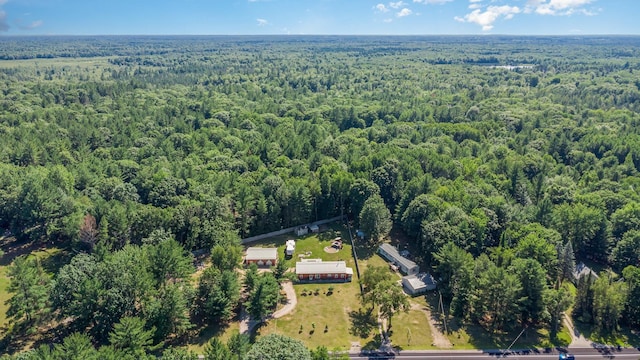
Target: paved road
(580,353)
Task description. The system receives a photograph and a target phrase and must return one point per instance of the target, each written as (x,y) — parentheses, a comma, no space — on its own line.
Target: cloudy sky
(518,17)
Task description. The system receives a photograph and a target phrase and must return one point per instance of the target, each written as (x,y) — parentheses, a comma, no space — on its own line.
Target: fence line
(287,230)
(355,256)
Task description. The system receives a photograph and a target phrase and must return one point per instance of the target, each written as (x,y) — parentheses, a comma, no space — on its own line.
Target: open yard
(336,314)
(472,336)
(410,330)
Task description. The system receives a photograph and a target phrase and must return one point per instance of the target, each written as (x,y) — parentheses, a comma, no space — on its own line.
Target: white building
(391,254)
(418,284)
(290,247)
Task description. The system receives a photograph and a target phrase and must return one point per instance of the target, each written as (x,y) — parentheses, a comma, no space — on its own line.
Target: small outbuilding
(314,228)
(302,230)
(392,255)
(290,247)
(318,270)
(261,256)
(418,284)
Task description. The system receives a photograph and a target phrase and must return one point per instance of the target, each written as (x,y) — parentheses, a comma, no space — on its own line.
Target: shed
(318,270)
(314,228)
(391,254)
(418,284)
(261,256)
(302,230)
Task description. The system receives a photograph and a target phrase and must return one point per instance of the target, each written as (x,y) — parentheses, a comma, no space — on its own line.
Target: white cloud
(387,20)
(30,26)
(473,6)
(489,16)
(432,1)
(262,22)
(381,8)
(397,5)
(404,12)
(558,7)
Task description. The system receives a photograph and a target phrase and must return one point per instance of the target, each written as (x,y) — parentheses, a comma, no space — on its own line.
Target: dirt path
(439,340)
(247,324)
(577,339)
(292,300)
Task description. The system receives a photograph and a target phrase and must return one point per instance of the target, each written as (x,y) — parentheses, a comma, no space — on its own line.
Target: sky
(335,17)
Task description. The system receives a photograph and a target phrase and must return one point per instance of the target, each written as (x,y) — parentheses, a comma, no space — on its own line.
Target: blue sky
(214,17)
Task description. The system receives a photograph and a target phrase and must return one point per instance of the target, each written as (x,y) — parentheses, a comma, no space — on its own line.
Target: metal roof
(420,281)
(393,252)
(322,267)
(256,253)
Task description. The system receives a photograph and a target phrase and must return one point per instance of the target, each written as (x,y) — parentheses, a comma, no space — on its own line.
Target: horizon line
(285,35)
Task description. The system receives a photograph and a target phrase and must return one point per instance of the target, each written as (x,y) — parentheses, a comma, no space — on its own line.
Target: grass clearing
(337,316)
(332,315)
(200,341)
(410,330)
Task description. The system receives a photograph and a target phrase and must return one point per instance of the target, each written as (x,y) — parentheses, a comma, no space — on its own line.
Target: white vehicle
(290,247)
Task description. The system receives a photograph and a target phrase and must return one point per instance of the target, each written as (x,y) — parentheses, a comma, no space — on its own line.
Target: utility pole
(444,316)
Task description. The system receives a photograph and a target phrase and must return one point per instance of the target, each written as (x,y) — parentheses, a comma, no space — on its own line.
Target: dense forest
(504,160)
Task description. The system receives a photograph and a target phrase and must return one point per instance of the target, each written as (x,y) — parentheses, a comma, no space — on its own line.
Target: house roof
(583,270)
(393,252)
(419,281)
(322,267)
(256,253)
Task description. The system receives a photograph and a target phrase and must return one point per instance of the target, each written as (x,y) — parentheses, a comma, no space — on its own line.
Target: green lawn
(337,316)
(199,342)
(410,330)
(473,336)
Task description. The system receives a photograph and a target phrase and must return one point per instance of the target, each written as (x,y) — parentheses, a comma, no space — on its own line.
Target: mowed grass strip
(330,312)
(411,331)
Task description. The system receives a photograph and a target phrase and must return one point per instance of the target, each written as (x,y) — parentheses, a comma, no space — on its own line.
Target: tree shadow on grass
(362,323)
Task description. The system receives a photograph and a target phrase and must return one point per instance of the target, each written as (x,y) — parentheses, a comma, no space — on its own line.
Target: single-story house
(418,284)
(391,254)
(290,247)
(261,256)
(318,270)
(583,270)
(314,228)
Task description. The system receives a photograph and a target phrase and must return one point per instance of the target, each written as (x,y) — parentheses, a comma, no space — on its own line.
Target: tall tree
(375,219)
(631,276)
(533,279)
(278,347)
(217,350)
(263,298)
(168,312)
(226,257)
(238,344)
(75,346)
(218,294)
(130,335)
(557,301)
(29,286)
(608,302)
(169,261)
